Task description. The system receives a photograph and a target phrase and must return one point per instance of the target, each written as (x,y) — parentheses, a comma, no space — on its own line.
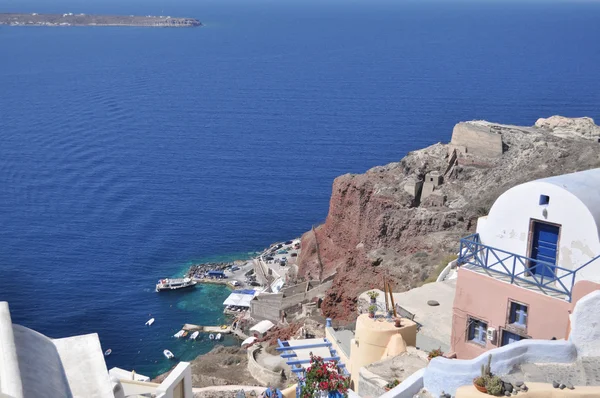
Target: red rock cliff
(375,227)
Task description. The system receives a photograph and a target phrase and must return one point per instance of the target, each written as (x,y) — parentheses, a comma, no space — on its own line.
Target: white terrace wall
(447,375)
(508,223)
(178,384)
(10,376)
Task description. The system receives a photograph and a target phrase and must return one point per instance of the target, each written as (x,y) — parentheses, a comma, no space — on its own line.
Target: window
(509,337)
(544,199)
(477,331)
(517,315)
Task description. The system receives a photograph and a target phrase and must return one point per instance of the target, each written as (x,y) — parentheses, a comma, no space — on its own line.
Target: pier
(206,329)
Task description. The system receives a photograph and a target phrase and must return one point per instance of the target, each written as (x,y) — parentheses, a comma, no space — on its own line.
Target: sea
(127,154)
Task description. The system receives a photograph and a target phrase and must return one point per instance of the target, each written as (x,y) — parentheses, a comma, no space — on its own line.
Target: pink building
(534,255)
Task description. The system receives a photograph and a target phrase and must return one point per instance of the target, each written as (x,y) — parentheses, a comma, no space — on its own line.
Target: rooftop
(435,321)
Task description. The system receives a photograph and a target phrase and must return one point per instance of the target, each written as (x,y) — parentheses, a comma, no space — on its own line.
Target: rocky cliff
(403,219)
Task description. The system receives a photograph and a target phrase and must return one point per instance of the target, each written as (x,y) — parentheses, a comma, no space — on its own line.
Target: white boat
(107,352)
(150,322)
(174,284)
(211,336)
(168,354)
(179,334)
(194,335)
(218,336)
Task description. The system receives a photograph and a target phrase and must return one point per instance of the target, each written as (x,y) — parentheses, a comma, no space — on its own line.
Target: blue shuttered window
(477,331)
(518,315)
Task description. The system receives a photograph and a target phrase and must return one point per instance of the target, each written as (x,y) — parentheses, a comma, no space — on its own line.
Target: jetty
(206,329)
(70,19)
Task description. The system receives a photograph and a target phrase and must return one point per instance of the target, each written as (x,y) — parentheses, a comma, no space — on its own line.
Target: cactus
(487,369)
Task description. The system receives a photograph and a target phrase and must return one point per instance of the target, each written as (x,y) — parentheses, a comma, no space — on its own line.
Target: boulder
(566,126)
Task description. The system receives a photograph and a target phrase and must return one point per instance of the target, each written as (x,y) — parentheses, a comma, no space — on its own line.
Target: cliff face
(402,219)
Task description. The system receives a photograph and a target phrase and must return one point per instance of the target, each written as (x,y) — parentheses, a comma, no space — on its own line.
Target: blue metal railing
(545,275)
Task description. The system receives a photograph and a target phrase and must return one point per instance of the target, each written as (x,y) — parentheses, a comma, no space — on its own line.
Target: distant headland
(70,19)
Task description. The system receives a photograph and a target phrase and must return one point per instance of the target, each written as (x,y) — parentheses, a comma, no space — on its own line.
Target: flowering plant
(324,376)
(435,353)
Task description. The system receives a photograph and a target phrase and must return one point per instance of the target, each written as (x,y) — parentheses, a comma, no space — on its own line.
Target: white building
(554,220)
(35,366)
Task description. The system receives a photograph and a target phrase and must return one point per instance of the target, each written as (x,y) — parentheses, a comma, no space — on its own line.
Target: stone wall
(299,298)
(269,306)
(476,140)
(260,373)
(266,306)
(296,289)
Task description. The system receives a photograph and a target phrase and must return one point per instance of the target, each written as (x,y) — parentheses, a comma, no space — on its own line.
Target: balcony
(518,270)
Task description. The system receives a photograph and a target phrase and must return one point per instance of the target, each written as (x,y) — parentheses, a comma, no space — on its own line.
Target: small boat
(107,352)
(179,334)
(194,335)
(224,326)
(150,322)
(218,336)
(211,336)
(168,354)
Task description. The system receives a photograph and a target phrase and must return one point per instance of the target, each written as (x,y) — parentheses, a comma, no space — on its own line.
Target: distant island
(70,19)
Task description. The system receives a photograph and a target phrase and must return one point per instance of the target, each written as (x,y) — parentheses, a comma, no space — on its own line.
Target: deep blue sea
(127,153)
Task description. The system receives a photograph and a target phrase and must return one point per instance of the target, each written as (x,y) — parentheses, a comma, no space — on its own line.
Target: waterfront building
(532,258)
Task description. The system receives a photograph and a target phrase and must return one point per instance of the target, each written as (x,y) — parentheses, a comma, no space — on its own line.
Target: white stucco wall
(585,326)
(10,376)
(574,204)
(181,374)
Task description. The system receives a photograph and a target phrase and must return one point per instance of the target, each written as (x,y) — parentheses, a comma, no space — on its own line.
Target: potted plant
(323,379)
(372,309)
(479,383)
(482,380)
(373,295)
(391,384)
(435,353)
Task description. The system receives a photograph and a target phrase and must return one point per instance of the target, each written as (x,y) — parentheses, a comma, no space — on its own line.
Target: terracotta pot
(371,315)
(480,389)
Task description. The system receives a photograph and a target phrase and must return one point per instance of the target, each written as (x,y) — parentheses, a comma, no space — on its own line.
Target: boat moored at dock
(174,284)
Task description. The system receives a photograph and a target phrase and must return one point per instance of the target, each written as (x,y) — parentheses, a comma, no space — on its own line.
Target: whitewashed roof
(35,366)
(585,185)
(262,326)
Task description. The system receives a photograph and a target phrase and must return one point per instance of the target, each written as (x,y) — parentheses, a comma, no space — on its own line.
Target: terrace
(533,274)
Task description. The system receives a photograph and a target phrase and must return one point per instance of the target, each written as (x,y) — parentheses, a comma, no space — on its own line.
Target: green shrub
(494,386)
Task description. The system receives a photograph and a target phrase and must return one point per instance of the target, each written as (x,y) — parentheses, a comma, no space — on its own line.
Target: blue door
(544,247)
(508,337)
